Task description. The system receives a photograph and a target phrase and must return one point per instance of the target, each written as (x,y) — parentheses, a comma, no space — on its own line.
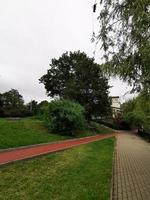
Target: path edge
(53,142)
(59,150)
(112,171)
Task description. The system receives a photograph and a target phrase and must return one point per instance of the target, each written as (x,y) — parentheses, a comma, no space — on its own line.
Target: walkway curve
(13,155)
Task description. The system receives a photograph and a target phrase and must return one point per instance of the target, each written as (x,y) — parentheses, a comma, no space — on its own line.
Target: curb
(47,143)
(113,161)
(54,151)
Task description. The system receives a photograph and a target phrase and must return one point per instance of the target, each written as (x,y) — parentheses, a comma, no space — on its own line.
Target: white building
(115,105)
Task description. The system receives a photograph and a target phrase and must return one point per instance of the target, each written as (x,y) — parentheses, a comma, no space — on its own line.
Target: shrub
(65,117)
(16,112)
(116,123)
(1,112)
(41,109)
(137,112)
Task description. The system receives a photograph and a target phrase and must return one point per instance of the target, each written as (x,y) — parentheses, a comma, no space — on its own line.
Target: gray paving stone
(131,173)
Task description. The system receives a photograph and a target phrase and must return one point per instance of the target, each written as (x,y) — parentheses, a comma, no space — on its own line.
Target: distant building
(115,105)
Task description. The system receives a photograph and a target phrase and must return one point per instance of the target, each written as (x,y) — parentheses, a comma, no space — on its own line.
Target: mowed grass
(27,131)
(80,173)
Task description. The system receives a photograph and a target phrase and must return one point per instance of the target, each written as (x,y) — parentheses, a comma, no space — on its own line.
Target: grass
(93,129)
(80,173)
(28,131)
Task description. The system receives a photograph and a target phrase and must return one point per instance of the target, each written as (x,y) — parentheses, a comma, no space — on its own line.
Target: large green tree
(137,111)
(77,77)
(12,99)
(41,107)
(12,104)
(1,100)
(125,38)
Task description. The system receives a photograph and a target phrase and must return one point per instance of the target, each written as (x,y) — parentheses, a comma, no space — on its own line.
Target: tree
(41,107)
(1,106)
(76,77)
(125,36)
(12,99)
(43,103)
(1,100)
(12,104)
(32,107)
(137,111)
(63,116)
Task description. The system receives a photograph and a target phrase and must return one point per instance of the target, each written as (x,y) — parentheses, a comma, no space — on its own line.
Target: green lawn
(81,173)
(27,131)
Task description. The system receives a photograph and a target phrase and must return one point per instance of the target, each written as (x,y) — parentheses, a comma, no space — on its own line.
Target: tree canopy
(1,100)
(12,99)
(125,36)
(12,105)
(76,77)
(137,111)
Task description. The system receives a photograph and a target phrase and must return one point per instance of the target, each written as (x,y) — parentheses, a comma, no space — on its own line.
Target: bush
(13,112)
(41,109)
(1,112)
(120,124)
(136,112)
(65,117)
(117,123)
(108,124)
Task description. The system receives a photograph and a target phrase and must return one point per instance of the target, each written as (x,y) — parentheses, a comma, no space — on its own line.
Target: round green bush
(65,116)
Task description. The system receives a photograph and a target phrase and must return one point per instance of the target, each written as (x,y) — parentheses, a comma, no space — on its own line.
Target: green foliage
(1,100)
(12,104)
(65,116)
(32,107)
(99,128)
(19,112)
(12,99)
(41,108)
(115,124)
(137,111)
(76,77)
(125,36)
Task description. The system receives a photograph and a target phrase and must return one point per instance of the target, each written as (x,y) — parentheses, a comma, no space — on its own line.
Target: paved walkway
(32,151)
(131,178)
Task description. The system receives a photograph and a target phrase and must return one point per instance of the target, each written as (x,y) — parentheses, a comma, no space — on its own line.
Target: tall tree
(33,106)
(12,99)
(76,77)
(125,36)
(137,111)
(41,107)
(1,100)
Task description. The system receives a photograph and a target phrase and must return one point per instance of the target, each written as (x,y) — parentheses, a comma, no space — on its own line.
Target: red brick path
(32,151)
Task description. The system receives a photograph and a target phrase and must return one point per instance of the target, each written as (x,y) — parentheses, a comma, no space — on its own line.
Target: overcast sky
(32,32)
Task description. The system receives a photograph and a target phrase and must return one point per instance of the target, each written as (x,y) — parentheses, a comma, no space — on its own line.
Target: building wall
(115,106)
(115,102)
